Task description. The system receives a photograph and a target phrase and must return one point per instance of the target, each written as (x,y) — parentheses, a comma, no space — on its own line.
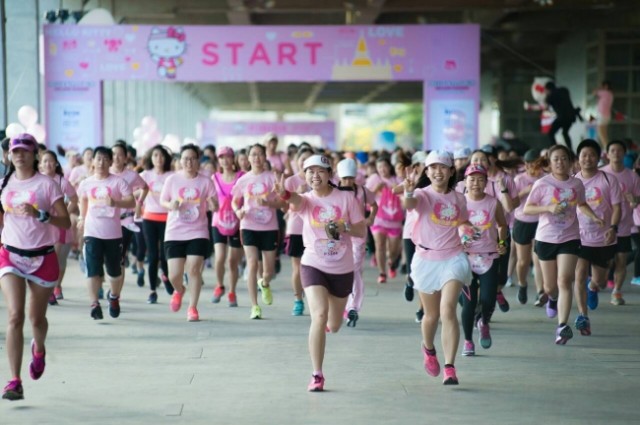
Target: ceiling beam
(369,14)
(254,95)
(238,14)
(313,95)
(376,92)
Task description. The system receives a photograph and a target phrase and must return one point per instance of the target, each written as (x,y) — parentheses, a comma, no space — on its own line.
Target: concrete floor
(151,366)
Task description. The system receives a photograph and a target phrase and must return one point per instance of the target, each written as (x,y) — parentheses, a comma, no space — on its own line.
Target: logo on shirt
(480,219)
(19,197)
(445,214)
(594,196)
(257,190)
(100,193)
(569,196)
(189,194)
(321,215)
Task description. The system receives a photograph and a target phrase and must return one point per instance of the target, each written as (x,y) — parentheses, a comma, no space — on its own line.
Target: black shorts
(103,253)
(524,233)
(264,240)
(624,244)
(233,241)
(295,246)
(338,285)
(127,236)
(598,255)
(550,251)
(182,249)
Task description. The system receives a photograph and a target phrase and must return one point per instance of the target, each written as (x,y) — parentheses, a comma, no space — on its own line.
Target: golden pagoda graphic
(362,67)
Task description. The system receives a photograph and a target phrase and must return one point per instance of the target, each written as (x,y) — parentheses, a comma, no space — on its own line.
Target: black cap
(490,150)
(531,155)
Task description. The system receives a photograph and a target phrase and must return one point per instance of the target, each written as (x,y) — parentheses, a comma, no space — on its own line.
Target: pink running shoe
(176,301)
(450,377)
(36,367)
(611,284)
(233,301)
(192,315)
(316,384)
(217,294)
(13,391)
(431,364)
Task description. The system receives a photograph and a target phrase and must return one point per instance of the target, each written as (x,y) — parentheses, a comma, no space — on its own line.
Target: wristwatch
(43,216)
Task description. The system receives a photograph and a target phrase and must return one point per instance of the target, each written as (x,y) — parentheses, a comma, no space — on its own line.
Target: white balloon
(14,129)
(189,141)
(172,142)
(27,115)
(37,131)
(97,16)
(137,133)
(149,123)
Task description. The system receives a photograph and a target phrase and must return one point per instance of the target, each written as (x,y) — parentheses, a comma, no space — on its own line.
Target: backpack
(228,222)
(390,208)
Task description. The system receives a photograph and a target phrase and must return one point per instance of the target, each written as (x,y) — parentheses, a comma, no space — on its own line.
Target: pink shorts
(43,270)
(391,233)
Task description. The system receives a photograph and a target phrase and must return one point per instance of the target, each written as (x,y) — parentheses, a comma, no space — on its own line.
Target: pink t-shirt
(102,221)
(629,183)
(155,182)
(26,232)
(440,214)
(372,182)
(521,181)
(135,182)
(335,257)
(557,228)
(364,198)
(409,223)
(252,187)
(78,174)
(605,101)
(493,189)
(66,235)
(190,220)
(636,216)
(602,191)
(482,214)
(277,161)
(224,191)
(298,184)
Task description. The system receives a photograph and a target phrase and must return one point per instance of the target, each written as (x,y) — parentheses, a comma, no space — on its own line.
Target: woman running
(187,196)
(555,198)
(225,227)
(154,219)
(439,268)
(331,218)
(30,204)
(255,206)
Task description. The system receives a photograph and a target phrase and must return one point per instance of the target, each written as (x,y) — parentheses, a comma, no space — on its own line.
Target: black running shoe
(140,281)
(502,302)
(522,295)
(153,298)
(419,315)
(96,311)
(353,318)
(114,306)
(408,290)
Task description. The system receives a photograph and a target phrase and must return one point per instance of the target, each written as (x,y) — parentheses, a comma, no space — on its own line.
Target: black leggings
(503,263)
(140,245)
(409,250)
(635,239)
(488,285)
(154,239)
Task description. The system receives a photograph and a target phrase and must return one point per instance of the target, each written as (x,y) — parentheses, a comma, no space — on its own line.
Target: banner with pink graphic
(445,57)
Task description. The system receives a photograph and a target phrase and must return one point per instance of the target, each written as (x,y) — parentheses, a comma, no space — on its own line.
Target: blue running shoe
(583,325)
(298,308)
(592,297)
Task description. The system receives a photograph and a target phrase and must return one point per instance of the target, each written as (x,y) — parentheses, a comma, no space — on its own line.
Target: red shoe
(192,315)
(233,301)
(382,278)
(176,301)
(218,292)
(392,273)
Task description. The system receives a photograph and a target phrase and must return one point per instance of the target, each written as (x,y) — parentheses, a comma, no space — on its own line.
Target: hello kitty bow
(178,34)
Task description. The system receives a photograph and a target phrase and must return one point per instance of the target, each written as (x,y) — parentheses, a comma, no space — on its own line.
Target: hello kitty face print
(322,214)
(189,198)
(567,195)
(593,196)
(446,214)
(98,201)
(480,219)
(15,198)
(166,48)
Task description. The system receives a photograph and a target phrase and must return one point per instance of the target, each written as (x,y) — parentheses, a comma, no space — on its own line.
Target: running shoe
(419,315)
(616,298)
(552,308)
(153,298)
(408,290)
(392,273)
(36,367)
(431,364)
(233,301)
(541,299)
(52,299)
(114,306)
(58,293)
(352,317)
(256,312)
(192,315)
(316,384)
(176,301)
(96,311)
(502,302)
(635,280)
(140,281)
(134,268)
(267,296)
(583,325)
(13,391)
(469,349)
(522,295)
(298,308)
(218,292)
(167,285)
(592,297)
(509,283)
(485,334)
(382,278)
(563,334)
(611,284)
(449,377)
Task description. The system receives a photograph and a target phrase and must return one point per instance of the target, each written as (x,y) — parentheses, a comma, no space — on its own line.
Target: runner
(331,218)
(555,198)
(31,205)
(187,195)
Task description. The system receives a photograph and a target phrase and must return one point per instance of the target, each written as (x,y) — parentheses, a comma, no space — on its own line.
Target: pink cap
(475,169)
(23,141)
(225,150)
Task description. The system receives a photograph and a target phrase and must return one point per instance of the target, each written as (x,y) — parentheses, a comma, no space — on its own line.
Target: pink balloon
(37,131)
(27,115)
(149,123)
(14,129)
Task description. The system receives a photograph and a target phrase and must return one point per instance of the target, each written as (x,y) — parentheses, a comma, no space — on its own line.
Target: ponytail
(5,181)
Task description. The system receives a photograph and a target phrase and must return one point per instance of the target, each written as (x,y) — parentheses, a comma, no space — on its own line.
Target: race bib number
(260,215)
(104,211)
(27,265)
(330,250)
(188,214)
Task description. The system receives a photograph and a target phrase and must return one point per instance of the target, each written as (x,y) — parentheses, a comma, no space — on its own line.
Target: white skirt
(429,276)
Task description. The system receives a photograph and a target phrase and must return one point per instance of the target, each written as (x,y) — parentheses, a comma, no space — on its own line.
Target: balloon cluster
(27,123)
(148,135)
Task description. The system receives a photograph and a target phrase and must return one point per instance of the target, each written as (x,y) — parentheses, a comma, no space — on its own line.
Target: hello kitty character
(166,48)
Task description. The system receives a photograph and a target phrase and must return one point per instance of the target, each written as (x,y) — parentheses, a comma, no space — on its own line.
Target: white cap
(439,157)
(419,157)
(316,161)
(462,153)
(347,168)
